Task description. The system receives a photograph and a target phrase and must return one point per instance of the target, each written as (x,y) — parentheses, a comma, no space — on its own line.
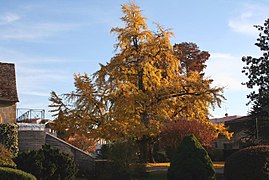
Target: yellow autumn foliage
(139,89)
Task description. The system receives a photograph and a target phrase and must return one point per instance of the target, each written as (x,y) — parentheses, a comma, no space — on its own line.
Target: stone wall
(31,140)
(33,136)
(7,113)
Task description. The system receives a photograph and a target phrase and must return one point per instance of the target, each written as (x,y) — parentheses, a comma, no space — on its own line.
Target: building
(8,93)
(222,142)
(239,125)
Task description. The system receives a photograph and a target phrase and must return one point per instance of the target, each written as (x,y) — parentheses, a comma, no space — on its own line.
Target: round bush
(249,163)
(47,163)
(191,161)
(10,173)
(6,157)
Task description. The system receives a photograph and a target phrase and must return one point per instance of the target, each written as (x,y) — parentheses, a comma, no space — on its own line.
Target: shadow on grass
(156,175)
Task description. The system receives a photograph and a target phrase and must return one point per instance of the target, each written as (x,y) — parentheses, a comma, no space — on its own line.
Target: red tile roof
(8,89)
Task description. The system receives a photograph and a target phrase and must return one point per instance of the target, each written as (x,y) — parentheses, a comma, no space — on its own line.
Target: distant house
(222,142)
(8,93)
(239,125)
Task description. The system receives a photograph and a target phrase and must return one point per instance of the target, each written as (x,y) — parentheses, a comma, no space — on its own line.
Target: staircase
(25,114)
(23,117)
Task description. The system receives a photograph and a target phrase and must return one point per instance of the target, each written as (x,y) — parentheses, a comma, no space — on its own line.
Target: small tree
(173,133)
(191,161)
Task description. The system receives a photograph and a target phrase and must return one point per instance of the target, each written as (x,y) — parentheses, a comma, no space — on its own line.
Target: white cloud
(221,56)
(247,16)
(225,70)
(14,27)
(34,31)
(35,93)
(243,27)
(36,74)
(36,81)
(9,18)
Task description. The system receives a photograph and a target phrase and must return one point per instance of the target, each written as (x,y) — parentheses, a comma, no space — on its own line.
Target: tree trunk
(146,150)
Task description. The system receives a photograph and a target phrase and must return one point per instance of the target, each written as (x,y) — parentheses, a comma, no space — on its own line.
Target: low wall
(31,140)
(33,136)
(84,160)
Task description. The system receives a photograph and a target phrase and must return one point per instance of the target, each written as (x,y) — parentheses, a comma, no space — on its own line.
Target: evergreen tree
(257,71)
(191,161)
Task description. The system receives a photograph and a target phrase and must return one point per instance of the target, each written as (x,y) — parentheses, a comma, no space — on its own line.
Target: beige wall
(7,113)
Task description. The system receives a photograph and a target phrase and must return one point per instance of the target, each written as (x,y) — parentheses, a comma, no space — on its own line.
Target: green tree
(137,91)
(191,161)
(257,71)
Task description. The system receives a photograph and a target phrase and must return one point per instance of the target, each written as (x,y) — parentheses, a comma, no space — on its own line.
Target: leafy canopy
(142,86)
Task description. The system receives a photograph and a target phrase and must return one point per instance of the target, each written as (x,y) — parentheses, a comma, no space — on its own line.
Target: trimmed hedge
(15,174)
(191,161)
(47,163)
(6,157)
(249,163)
(9,137)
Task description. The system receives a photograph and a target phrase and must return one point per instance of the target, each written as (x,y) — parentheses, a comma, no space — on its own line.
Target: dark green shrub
(6,157)
(9,137)
(251,163)
(160,157)
(15,174)
(216,154)
(121,158)
(191,161)
(109,170)
(47,163)
(105,150)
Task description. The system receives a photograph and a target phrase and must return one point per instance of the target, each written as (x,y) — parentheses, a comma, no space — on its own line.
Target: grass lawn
(216,164)
(157,171)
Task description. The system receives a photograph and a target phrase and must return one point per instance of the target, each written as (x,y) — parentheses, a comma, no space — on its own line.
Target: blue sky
(50,40)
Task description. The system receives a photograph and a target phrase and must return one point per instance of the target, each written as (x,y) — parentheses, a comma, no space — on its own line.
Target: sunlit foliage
(140,88)
(82,142)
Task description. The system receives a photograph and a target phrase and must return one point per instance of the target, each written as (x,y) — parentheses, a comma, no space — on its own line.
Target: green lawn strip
(151,165)
(158,171)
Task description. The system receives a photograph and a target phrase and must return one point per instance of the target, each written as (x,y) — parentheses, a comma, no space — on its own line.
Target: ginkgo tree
(137,91)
